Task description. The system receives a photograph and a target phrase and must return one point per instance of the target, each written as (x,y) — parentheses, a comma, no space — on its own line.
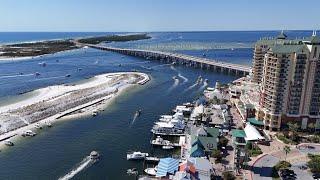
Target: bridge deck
(203,61)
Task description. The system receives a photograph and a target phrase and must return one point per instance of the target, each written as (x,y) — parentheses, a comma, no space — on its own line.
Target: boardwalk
(181,59)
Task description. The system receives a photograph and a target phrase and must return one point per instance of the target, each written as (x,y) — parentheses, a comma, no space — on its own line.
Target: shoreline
(85,109)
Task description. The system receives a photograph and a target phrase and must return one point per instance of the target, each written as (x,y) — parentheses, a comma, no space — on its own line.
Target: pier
(171,57)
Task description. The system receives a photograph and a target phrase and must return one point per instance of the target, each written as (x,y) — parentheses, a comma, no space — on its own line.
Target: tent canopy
(252,134)
(255,122)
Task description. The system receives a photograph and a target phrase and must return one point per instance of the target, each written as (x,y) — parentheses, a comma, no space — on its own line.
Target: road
(262,170)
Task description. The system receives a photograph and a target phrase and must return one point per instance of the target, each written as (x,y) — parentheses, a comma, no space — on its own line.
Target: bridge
(174,58)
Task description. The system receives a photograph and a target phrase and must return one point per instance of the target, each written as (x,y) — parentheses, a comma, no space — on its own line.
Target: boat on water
(48,124)
(68,75)
(137,155)
(204,55)
(122,57)
(94,155)
(138,113)
(160,141)
(132,171)
(133,70)
(175,77)
(94,113)
(206,81)
(168,128)
(37,73)
(28,133)
(8,142)
(38,126)
(199,79)
(151,171)
(167,147)
(42,64)
(173,63)
(79,69)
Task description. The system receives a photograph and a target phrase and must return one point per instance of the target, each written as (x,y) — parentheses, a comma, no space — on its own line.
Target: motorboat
(79,69)
(94,155)
(137,155)
(204,55)
(132,171)
(173,63)
(48,124)
(94,113)
(28,133)
(206,81)
(167,128)
(8,142)
(38,126)
(120,65)
(167,147)
(160,141)
(68,75)
(151,171)
(138,112)
(122,57)
(42,64)
(37,73)
(133,70)
(175,77)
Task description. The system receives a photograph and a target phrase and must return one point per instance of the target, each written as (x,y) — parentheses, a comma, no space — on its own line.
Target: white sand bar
(55,102)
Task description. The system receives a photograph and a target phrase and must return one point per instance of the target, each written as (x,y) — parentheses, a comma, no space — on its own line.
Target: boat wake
(134,119)
(19,75)
(205,84)
(175,84)
(85,163)
(56,77)
(173,68)
(190,87)
(161,65)
(184,78)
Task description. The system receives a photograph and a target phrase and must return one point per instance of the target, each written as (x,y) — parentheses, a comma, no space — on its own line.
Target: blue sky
(158,15)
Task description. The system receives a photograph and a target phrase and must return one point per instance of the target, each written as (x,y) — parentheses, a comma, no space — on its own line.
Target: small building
(203,141)
(167,168)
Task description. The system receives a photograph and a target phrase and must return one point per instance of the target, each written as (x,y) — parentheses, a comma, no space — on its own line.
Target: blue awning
(167,165)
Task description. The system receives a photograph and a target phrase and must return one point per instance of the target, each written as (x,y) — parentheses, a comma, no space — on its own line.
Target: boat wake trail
(19,75)
(184,78)
(173,68)
(47,78)
(205,84)
(190,87)
(161,65)
(134,119)
(85,163)
(175,84)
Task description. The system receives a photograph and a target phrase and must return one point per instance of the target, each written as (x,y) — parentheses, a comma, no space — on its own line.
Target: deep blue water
(53,152)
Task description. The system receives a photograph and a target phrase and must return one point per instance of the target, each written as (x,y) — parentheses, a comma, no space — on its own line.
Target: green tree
(314,163)
(228,175)
(217,154)
(293,127)
(311,127)
(223,142)
(286,150)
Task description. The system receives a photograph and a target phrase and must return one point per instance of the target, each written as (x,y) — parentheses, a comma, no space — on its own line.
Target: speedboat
(138,112)
(8,142)
(79,69)
(204,55)
(133,70)
(132,171)
(175,77)
(38,126)
(48,124)
(136,155)
(68,75)
(167,147)
(37,74)
(151,171)
(206,80)
(28,133)
(94,113)
(122,57)
(42,64)
(160,141)
(94,155)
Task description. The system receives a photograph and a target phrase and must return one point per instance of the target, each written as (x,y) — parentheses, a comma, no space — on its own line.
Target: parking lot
(301,173)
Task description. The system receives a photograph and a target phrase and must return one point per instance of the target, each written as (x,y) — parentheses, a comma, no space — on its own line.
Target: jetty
(171,57)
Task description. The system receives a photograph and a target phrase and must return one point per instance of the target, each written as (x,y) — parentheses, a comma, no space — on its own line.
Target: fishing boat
(151,171)
(167,147)
(137,155)
(94,155)
(8,142)
(68,75)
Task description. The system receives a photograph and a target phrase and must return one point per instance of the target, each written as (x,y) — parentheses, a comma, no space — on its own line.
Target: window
(315,52)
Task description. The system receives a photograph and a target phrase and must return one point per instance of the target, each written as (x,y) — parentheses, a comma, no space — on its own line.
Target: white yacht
(8,142)
(28,133)
(160,141)
(175,77)
(136,155)
(42,64)
(94,113)
(94,155)
(172,127)
(151,171)
(48,124)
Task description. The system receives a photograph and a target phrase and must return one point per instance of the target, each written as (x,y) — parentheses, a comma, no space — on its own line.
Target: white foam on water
(85,163)
(19,75)
(175,84)
(203,86)
(190,87)
(134,119)
(184,78)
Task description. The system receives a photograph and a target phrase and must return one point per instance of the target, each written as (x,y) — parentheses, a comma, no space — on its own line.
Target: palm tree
(293,127)
(286,150)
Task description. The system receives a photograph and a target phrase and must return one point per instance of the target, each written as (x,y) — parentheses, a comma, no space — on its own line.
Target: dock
(171,57)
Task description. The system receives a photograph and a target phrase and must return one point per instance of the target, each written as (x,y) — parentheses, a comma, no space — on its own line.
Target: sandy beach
(54,102)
